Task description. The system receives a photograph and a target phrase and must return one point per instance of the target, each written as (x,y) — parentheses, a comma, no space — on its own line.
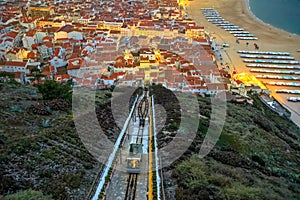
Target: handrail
(158,181)
(113,154)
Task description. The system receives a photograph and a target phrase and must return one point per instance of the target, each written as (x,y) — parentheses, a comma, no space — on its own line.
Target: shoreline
(270,26)
(267,24)
(270,38)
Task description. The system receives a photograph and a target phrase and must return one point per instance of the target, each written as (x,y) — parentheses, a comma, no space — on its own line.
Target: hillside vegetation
(40,148)
(256,157)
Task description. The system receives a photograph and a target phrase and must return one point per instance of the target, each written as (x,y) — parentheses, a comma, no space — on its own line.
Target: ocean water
(283,14)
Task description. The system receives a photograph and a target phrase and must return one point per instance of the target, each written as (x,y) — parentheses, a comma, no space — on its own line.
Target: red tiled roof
(62,77)
(146,23)
(15,63)
(28,20)
(31,33)
(200,39)
(31,54)
(216,86)
(74,63)
(9,40)
(34,46)
(46,70)
(66,28)
(49,38)
(12,34)
(48,44)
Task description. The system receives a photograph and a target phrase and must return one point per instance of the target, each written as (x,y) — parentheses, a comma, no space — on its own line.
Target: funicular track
(140,142)
(142,110)
(131,187)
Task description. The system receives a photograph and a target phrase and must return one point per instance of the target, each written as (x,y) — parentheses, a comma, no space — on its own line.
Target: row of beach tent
(214,17)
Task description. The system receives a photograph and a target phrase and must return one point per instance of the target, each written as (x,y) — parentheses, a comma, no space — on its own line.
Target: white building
(29,39)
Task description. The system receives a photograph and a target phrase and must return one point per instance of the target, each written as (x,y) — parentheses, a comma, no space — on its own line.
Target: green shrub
(229,140)
(173,126)
(241,192)
(219,180)
(54,90)
(72,179)
(56,189)
(46,173)
(28,195)
(193,173)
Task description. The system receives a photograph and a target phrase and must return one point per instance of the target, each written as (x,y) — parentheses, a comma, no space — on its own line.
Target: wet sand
(269,39)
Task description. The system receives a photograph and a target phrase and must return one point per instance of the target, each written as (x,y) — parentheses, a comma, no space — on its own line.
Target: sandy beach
(269,39)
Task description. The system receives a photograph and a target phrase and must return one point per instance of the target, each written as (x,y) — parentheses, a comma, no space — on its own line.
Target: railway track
(131,187)
(142,110)
(136,160)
